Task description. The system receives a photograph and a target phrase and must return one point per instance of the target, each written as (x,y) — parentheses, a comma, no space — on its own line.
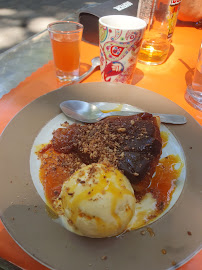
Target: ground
(20,19)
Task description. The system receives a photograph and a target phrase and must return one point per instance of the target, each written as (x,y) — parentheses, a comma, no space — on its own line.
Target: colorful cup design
(120,41)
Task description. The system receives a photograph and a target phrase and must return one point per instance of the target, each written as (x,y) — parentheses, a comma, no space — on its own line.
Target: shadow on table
(171,50)
(138,76)
(189,74)
(84,68)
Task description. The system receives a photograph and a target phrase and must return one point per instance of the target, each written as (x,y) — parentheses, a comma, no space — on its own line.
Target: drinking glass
(65,39)
(161,18)
(193,94)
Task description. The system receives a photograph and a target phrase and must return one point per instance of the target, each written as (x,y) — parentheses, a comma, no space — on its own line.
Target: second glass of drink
(65,39)
(161,17)
(194,91)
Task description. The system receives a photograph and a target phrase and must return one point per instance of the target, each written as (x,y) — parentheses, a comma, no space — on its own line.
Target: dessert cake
(130,143)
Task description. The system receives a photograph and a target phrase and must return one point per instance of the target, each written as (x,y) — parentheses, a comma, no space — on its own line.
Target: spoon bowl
(89,113)
(95,61)
(81,111)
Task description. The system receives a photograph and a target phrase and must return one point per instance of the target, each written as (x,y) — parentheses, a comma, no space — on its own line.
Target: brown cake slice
(131,143)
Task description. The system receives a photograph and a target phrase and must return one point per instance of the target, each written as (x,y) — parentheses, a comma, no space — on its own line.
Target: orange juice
(65,38)
(66,54)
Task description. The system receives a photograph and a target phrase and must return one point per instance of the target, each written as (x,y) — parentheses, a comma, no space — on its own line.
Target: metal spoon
(95,63)
(89,113)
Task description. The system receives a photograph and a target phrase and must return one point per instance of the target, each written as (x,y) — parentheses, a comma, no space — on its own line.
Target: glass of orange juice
(65,39)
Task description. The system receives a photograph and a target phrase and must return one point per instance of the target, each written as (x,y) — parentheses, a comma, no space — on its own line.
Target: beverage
(65,39)
(161,23)
(197,79)
(173,11)
(193,94)
(153,52)
(66,56)
(197,82)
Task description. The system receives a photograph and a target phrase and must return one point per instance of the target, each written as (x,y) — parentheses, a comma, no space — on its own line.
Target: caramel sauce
(164,137)
(116,109)
(51,213)
(52,172)
(55,170)
(163,183)
(41,147)
(89,193)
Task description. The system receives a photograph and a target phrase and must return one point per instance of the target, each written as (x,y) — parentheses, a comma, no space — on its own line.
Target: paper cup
(120,39)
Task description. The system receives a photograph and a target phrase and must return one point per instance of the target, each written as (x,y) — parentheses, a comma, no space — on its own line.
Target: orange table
(169,80)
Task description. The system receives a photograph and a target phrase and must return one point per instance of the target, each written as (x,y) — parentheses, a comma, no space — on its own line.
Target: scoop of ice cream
(97,201)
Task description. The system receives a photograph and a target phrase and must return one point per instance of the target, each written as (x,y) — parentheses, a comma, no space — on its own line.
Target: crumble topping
(130,143)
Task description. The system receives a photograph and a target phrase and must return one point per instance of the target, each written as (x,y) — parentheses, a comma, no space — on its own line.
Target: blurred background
(20,19)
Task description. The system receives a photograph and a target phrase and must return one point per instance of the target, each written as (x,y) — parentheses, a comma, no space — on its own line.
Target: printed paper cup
(120,39)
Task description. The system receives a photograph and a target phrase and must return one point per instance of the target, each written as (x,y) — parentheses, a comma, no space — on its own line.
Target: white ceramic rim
(122,17)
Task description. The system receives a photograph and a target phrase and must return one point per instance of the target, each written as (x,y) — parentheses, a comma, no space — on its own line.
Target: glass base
(150,63)
(194,98)
(154,51)
(64,76)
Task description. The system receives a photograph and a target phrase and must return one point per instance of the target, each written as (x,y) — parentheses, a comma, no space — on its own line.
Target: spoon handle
(82,77)
(165,118)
